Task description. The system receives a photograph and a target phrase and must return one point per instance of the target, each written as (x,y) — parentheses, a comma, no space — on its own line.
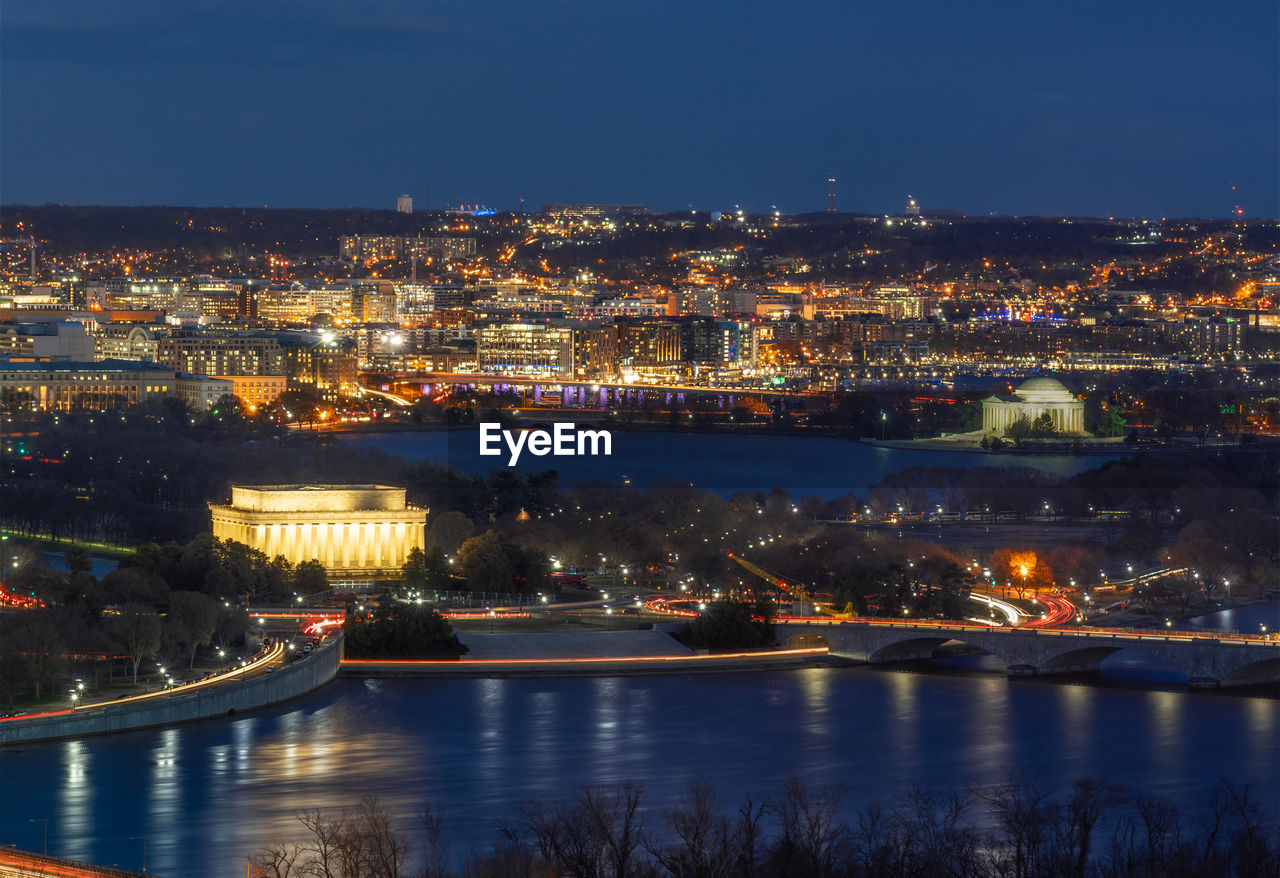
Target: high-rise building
(528,348)
(370,303)
(648,344)
(327,367)
(404,204)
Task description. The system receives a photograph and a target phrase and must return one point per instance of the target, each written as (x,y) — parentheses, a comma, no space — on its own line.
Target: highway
(259,664)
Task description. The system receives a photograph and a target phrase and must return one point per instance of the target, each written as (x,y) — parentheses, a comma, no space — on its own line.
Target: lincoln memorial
(1033,398)
(353,530)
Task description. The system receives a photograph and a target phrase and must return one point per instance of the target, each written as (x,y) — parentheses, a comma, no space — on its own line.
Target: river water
(206,795)
(823,466)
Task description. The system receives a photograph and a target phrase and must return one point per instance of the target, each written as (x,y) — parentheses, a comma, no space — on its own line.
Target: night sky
(1123,107)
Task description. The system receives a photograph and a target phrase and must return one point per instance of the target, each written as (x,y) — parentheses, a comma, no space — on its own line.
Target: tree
(197,614)
(1111,423)
(600,833)
(449,530)
(310,577)
(233,622)
(361,842)
(413,573)
(485,563)
(1042,427)
(730,625)
(400,631)
(42,648)
(1022,569)
(137,629)
(1019,431)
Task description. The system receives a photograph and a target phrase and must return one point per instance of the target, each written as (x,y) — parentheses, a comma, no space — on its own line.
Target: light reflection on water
(480,749)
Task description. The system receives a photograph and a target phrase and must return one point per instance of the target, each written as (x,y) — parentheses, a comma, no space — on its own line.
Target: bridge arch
(915,646)
(1090,658)
(1266,670)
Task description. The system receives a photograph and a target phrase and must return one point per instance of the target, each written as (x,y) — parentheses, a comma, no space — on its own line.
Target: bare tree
(812,839)
(1090,799)
(701,840)
(595,836)
(340,844)
(137,628)
(435,846)
(1024,813)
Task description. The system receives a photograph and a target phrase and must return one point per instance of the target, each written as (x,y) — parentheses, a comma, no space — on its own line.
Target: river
(726,463)
(206,795)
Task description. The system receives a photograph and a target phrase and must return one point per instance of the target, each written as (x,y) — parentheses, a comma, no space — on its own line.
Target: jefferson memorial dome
(1033,398)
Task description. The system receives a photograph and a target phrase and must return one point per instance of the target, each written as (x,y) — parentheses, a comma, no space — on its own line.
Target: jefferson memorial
(353,530)
(1033,398)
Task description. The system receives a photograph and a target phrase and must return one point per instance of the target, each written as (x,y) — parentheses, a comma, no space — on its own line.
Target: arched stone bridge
(1208,662)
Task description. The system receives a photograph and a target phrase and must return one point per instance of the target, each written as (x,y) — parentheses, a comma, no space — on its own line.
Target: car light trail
(1011,613)
(613,660)
(274,654)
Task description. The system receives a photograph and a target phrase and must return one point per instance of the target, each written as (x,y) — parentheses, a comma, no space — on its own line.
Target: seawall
(287,682)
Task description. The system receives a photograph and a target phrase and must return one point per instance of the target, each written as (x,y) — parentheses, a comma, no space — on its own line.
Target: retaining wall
(287,682)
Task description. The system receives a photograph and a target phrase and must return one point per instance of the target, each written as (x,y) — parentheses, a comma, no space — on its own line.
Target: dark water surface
(725,463)
(205,795)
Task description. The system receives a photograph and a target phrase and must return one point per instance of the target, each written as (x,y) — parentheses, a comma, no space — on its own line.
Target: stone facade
(353,530)
(1034,398)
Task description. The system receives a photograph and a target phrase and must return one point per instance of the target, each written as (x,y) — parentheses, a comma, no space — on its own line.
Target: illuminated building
(124,341)
(257,390)
(719,343)
(649,344)
(353,530)
(281,305)
(1033,398)
(63,386)
(370,304)
(326,366)
(597,212)
(157,295)
(200,392)
(404,204)
(532,348)
(380,248)
(220,352)
(60,340)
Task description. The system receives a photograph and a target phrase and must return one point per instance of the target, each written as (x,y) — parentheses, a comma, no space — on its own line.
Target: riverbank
(176,706)
(614,666)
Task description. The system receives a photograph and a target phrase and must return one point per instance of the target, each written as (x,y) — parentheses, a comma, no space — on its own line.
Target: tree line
(1018,828)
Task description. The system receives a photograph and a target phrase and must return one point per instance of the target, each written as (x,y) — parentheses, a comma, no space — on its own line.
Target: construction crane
(798,592)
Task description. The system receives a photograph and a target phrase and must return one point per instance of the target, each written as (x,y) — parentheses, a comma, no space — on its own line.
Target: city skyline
(1033,113)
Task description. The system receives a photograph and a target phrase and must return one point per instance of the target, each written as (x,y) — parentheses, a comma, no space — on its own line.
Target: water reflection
(74,812)
(210,793)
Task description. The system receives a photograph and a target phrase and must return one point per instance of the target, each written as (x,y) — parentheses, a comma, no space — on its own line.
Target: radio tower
(831,195)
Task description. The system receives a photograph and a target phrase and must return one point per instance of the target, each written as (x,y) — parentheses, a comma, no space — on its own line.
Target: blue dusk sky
(1124,107)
